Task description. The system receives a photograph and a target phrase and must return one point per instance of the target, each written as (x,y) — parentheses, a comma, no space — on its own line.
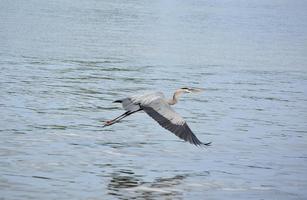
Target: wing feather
(161,112)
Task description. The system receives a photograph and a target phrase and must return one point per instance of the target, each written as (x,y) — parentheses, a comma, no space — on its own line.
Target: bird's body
(159,108)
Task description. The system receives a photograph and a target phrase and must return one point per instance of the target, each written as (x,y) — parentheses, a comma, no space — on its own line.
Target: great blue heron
(159,108)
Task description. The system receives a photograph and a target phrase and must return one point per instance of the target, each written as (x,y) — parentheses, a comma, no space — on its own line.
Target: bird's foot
(108,123)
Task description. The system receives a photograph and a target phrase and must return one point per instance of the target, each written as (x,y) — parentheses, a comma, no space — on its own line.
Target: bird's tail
(118,101)
(128,104)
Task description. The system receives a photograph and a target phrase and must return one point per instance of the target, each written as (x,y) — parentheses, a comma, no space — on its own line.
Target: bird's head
(183,90)
(191,90)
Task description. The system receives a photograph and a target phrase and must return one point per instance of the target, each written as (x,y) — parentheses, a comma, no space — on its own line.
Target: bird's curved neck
(175,98)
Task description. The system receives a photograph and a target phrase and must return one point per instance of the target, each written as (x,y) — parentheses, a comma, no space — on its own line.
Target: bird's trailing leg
(112,121)
(117,119)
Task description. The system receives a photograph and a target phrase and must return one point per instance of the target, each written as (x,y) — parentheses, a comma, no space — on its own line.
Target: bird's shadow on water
(126,184)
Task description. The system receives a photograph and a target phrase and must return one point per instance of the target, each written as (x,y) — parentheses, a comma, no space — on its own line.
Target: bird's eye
(185,88)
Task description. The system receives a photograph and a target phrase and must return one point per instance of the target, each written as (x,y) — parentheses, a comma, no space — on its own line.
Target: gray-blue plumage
(159,108)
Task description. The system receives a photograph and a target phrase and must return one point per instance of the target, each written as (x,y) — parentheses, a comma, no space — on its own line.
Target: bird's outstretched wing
(161,111)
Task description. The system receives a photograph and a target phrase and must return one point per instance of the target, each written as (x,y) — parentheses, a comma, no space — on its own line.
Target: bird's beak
(196,90)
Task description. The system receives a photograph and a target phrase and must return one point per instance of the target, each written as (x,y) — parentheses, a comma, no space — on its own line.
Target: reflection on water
(122,180)
(125,184)
(62,64)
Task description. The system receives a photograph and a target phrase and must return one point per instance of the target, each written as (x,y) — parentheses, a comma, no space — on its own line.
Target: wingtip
(208,144)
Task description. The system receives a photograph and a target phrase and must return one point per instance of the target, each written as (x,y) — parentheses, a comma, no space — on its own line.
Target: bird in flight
(159,108)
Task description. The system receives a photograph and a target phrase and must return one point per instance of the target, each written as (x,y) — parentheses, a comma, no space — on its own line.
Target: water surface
(63,63)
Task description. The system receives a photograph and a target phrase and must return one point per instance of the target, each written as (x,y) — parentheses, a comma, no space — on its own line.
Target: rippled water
(63,63)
